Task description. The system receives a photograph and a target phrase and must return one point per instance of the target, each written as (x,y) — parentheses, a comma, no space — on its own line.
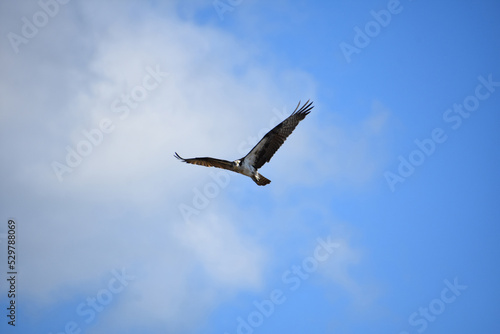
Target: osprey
(262,152)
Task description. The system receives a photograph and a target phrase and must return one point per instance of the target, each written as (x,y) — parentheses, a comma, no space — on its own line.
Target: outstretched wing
(272,141)
(207,162)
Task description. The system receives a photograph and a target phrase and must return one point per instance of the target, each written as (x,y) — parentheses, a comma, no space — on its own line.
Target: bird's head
(237,163)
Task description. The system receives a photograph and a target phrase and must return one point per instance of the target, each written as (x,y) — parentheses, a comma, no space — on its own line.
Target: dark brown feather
(207,162)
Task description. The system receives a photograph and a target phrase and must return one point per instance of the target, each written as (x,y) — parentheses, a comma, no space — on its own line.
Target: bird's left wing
(207,162)
(272,141)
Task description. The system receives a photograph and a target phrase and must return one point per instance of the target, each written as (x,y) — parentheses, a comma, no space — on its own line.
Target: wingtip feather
(305,109)
(179,157)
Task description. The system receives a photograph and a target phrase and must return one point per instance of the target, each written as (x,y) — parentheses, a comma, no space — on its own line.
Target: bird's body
(262,152)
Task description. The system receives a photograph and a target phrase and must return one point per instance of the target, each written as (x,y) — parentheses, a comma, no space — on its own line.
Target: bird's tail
(260,180)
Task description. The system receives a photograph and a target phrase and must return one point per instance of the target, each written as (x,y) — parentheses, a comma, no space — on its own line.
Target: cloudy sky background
(162,247)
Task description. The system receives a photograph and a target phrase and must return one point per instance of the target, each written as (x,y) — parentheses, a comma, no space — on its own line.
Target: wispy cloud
(347,155)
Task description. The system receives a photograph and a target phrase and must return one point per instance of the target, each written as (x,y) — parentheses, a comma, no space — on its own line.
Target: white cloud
(232,259)
(118,208)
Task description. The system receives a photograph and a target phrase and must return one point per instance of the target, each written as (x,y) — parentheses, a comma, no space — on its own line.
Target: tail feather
(260,179)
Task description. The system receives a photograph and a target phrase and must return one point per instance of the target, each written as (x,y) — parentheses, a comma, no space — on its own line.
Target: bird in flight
(262,152)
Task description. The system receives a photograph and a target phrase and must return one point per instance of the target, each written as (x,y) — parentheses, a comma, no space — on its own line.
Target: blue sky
(380,217)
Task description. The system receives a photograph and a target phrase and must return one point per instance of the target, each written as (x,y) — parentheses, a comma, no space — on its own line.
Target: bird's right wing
(207,162)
